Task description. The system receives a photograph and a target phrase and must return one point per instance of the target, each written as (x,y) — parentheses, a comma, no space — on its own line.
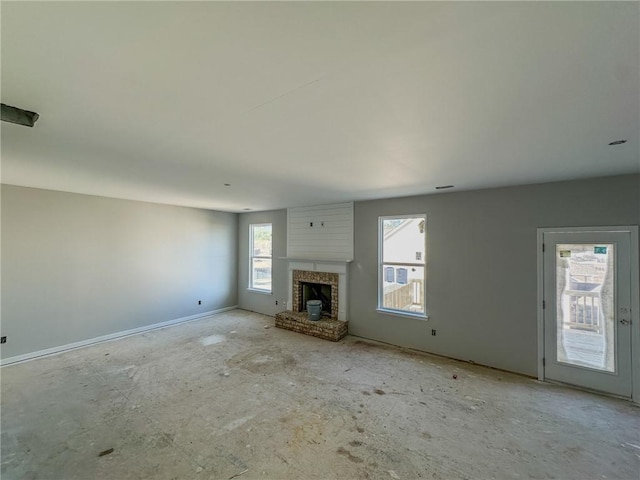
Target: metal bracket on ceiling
(18,116)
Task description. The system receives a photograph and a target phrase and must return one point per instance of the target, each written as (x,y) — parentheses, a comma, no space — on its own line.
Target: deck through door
(587,340)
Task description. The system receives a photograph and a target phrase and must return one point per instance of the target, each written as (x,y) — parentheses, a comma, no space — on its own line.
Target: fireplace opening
(315,291)
(311,285)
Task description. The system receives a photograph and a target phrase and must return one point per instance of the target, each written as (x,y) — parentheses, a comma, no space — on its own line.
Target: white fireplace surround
(328,266)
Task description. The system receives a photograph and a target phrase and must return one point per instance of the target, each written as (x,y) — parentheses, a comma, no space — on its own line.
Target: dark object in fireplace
(315,291)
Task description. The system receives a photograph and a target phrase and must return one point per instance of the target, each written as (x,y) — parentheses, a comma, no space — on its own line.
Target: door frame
(635,297)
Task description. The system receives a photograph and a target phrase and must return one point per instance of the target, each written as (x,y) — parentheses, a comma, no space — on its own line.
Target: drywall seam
(112,336)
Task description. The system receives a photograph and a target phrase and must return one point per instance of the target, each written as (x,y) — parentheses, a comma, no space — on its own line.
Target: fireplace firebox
(321,286)
(315,291)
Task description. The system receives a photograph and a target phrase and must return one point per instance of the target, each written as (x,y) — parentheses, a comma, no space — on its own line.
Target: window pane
(403,240)
(407,291)
(260,276)
(261,241)
(584,311)
(402,276)
(389,274)
(261,273)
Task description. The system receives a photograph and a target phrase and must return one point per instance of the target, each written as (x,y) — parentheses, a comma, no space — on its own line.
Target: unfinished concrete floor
(225,396)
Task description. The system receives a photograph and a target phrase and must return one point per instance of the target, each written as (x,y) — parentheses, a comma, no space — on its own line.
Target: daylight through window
(260,244)
(402,264)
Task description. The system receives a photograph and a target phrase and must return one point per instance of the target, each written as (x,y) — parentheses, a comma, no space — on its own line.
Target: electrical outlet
(199,302)
(3,339)
(433,333)
(276,302)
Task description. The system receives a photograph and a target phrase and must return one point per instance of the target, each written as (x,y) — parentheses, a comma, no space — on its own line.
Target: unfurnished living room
(320,240)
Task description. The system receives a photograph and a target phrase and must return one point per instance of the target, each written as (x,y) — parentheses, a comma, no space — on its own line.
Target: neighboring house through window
(260,253)
(402,273)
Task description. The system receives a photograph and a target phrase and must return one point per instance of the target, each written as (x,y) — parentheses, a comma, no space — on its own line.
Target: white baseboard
(112,336)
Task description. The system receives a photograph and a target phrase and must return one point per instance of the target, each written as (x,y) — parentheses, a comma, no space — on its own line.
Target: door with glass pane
(587,305)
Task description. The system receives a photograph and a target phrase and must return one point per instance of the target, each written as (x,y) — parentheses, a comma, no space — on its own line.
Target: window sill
(261,292)
(397,313)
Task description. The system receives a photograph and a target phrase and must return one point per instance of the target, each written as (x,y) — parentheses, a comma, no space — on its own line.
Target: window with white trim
(260,257)
(401,264)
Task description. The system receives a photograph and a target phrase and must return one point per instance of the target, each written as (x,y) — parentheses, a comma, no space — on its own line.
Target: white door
(587,309)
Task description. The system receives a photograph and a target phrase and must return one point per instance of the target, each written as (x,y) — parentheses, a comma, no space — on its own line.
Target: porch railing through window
(407,296)
(586,310)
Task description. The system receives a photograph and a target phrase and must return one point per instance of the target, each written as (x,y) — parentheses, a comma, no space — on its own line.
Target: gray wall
(481,265)
(260,302)
(75,267)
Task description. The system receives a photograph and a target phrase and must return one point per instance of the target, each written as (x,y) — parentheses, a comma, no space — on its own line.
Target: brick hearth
(326,328)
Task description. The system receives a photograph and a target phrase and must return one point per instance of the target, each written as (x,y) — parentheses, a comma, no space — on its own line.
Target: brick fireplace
(304,281)
(326,272)
(321,280)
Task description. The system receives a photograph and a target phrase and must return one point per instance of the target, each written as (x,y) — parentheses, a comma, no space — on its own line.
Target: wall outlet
(199,302)
(276,302)
(3,339)
(433,333)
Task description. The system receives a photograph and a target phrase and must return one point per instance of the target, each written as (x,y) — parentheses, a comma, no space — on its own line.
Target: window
(260,257)
(402,270)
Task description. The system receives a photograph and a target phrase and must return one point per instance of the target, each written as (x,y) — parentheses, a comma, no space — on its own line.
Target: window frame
(381,269)
(252,256)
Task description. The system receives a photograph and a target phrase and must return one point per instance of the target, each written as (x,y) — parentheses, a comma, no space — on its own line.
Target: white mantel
(341,267)
(316,259)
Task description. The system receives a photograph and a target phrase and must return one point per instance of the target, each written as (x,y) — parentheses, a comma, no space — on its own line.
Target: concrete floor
(225,396)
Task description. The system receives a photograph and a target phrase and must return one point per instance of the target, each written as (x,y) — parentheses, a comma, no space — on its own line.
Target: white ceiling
(310,103)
